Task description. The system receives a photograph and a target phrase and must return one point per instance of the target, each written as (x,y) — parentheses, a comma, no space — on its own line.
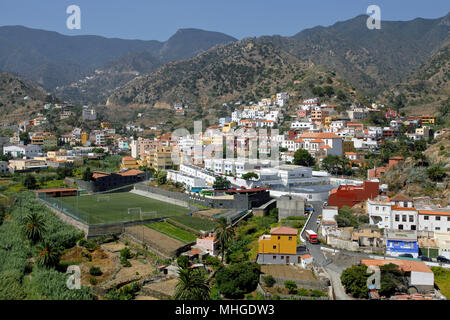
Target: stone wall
(307,284)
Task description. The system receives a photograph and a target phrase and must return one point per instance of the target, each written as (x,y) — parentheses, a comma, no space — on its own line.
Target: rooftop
(405,265)
(284,231)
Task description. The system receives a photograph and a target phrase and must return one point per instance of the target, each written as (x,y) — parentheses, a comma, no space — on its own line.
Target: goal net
(135,211)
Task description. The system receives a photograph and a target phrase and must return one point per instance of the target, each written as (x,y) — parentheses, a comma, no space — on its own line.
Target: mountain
(19,98)
(370,59)
(427,88)
(187,43)
(52,59)
(246,70)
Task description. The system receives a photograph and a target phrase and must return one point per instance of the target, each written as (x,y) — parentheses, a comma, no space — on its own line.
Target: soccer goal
(103,198)
(135,211)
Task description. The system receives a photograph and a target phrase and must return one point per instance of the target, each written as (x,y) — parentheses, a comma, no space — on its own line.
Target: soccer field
(96,209)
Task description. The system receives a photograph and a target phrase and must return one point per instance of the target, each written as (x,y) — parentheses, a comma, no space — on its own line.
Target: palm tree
(48,255)
(191,285)
(34,226)
(224,234)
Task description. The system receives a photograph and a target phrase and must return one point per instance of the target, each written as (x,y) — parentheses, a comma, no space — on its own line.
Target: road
(315,250)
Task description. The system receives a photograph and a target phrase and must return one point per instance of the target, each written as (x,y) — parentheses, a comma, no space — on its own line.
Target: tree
(87,174)
(183,262)
(436,173)
(250,175)
(238,279)
(30,182)
(63,172)
(221,183)
(392,280)
(48,255)
(161,178)
(34,226)
(354,279)
(269,280)
(25,137)
(192,285)
(303,158)
(291,286)
(224,234)
(332,164)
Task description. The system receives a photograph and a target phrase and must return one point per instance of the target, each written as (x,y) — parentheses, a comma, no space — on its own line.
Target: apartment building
(44,139)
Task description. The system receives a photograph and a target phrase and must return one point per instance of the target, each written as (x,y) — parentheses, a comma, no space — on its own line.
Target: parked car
(443,259)
(406,255)
(424,258)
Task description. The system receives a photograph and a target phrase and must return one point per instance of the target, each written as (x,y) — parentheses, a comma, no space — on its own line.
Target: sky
(158,19)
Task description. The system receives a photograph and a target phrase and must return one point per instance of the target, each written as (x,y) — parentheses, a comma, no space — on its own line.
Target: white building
(437,220)
(187,180)
(29,151)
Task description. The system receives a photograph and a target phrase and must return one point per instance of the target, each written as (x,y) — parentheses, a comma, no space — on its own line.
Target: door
(287,260)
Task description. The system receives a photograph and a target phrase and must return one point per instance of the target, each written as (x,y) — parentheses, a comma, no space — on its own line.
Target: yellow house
(129,163)
(280,247)
(84,138)
(228,126)
(427,119)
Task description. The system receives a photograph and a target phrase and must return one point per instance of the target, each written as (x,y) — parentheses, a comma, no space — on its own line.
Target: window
(290,238)
(438,218)
(279,237)
(384,208)
(411,218)
(377,208)
(397,218)
(274,257)
(413,227)
(437,228)
(426,218)
(274,247)
(282,257)
(404,217)
(400,227)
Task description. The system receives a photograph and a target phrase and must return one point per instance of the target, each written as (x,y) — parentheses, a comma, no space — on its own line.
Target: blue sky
(158,20)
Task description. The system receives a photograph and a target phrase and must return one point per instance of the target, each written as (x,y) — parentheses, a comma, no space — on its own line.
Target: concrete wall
(160,197)
(267,258)
(342,244)
(290,206)
(307,284)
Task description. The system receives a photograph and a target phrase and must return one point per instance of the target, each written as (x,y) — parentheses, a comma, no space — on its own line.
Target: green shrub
(125,253)
(95,271)
(93,281)
(269,280)
(303,292)
(291,286)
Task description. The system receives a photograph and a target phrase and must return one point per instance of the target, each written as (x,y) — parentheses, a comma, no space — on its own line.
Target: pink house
(208,243)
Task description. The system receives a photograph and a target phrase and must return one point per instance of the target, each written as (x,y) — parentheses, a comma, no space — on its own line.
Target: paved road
(314,249)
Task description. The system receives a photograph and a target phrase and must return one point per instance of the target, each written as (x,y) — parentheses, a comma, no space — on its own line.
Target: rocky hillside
(19,98)
(370,59)
(427,88)
(246,70)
